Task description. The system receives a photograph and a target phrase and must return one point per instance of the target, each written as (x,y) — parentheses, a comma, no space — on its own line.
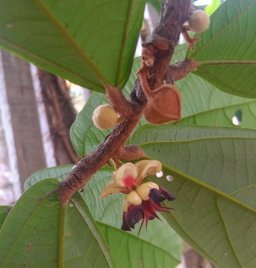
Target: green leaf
(84,246)
(214,183)
(90,43)
(203,104)
(210,9)
(130,251)
(59,172)
(39,232)
(126,247)
(84,135)
(227,51)
(4,210)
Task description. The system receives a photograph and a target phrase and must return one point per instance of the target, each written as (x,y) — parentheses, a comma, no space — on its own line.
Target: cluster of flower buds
(143,200)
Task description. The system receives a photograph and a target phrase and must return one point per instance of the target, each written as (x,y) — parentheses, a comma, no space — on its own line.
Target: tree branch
(164,39)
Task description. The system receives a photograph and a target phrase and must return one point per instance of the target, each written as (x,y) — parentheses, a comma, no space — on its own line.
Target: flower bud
(144,189)
(104,116)
(199,21)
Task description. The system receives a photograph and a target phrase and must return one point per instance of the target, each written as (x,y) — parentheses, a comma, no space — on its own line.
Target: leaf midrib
(218,109)
(31,214)
(226,232)
(140,239)
(76,199)
(61,236)
(81,53)
(200,182)
(225,62)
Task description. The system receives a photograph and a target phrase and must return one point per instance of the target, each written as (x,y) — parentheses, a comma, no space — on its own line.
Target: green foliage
(211,160)
(3,213)
(38,232)
(210,9)
(205,105)
(90,43)
(227,51)
(75,222)
(214,182)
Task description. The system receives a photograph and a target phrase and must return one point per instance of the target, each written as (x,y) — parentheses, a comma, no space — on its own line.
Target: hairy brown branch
(164,39)
(180,70)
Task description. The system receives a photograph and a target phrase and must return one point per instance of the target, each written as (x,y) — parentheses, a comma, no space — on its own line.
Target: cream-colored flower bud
(199,21)
(104,116)
(132,199)
(143,190)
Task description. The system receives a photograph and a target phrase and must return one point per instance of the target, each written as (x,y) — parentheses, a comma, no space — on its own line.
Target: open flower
(144,205)
(143,200)
(129,175)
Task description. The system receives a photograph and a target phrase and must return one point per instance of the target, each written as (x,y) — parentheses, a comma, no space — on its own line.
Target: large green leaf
(214,182)
(39,232)
(91,43)
(210,9)
(3,213)
(227,51)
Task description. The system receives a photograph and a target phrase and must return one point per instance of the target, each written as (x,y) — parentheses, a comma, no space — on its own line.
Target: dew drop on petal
(169,178)
(159,174)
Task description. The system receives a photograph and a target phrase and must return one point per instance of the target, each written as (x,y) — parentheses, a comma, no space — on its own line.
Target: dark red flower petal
(130,217)
(160,195)
(147,210)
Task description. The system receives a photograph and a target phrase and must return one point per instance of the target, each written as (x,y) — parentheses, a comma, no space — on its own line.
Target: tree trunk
(60,114)
(19,104)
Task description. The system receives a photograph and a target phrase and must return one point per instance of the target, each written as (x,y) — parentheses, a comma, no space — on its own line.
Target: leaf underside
(90,43)
(214,183)
(227,50)
(39,233)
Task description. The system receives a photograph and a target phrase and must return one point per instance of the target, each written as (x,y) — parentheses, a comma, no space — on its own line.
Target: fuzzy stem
(164,39)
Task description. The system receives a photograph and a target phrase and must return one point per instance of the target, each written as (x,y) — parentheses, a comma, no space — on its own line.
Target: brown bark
(60,114)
